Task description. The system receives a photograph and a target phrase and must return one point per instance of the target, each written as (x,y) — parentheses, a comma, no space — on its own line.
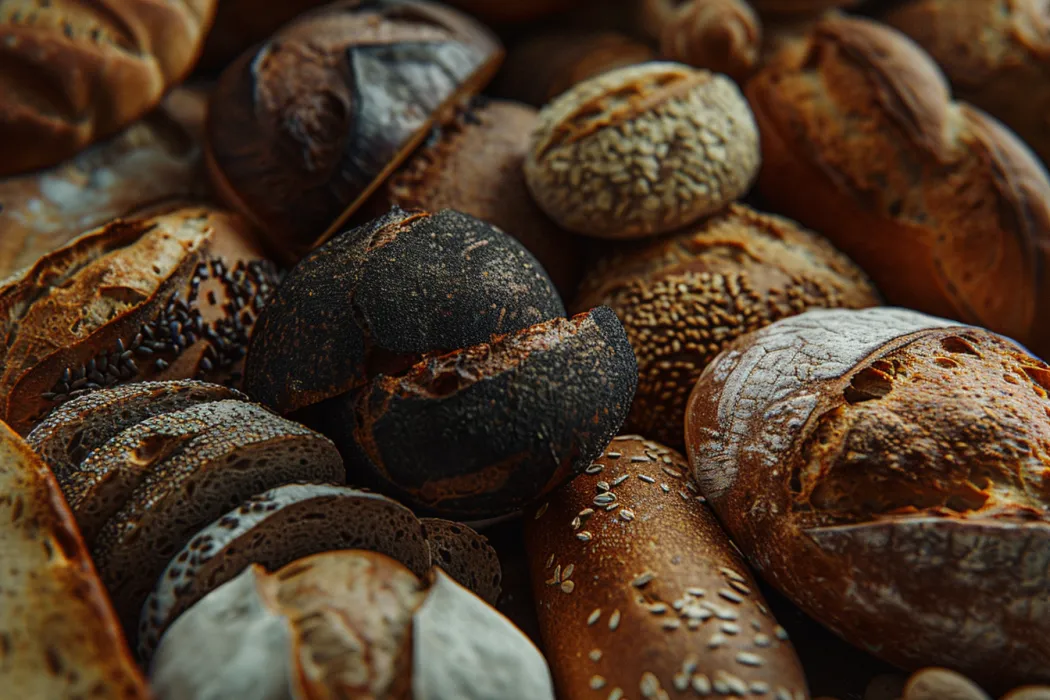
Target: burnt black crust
(380,296)
(545,417)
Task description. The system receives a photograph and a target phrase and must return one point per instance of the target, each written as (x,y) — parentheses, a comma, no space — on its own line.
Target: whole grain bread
(464,555)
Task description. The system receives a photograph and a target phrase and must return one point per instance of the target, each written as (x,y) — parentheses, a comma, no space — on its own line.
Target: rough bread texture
(74,72)
(722,36)
(466,556)
(59,638)
(945,209)
(885,470)
(641,594)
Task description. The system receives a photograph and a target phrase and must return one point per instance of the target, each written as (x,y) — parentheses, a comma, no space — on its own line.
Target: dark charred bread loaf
(466,556)
(59,638)
(682,298)
(945,209)
(346,624)
(152,298)
(882,468)
(379,297)
(76,72)
(303,128)
(996,55)
(641,594)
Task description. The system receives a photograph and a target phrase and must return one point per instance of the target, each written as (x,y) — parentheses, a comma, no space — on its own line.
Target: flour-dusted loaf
(945,209)
(59,638)
(74,72)
(641,594)
(886,470)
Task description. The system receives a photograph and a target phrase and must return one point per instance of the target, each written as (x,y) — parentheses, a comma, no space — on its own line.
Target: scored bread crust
(466,556)
(945,209)
(881,468)
(72,72)
(59,637)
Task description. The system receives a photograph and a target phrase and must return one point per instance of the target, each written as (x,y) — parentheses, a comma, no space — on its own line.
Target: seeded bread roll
(882,468)
(682,298)
(169,296)
(243,451)
(464,555)
(274,529)
(81,425)
(59,638)
(76,72)
(996,55)
(946,210)
(640,593)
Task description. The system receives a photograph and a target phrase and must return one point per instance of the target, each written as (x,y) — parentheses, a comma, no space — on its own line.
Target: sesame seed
(620,479)
(702,684)
(616,694)
(730,628)
(594,616)
(602,486)
(756,625)
(643,579)
(640,458)
(665,488)
(586,512)
(597,682)
(717,639)
(684,495)
(759,687)
(567,574)
(611,507)
(583,536)
(594,468)
(735,684)
(647,479)
(613,455)
(740,588)
(781,633)
(697,592)
(730,596)
(614,620)
(763,640)
(721,687)
(671,624)
(550,561)
(557,575)
(627,514)
(783,694)
(649,685)
(568,586)
(729,573)
(595,655)
(576,523)
(604,499)
(541,511)
(690,664)
(681,682)
(726,614)
(749,659)
(672,472)
(658,608)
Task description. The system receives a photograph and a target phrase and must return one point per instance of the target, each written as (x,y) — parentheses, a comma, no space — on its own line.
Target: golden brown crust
(945,210)
(639,589)
(71,73)
(723,36)
(59,638)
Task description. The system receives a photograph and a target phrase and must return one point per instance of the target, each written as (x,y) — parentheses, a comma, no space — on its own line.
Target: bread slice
(464,555)
(247,451)
(76,428)
(59,638)
(274,529)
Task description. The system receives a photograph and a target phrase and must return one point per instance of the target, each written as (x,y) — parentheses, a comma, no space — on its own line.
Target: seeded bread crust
(72,73)
(59,638)
(638,588)
(466,556)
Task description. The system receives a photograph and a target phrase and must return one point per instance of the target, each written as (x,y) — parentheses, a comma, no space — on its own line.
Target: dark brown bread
(303,128)
(507,11)
(464,555)
(640,593)
(799,7)
(74,72)
(59,638)
(945,209)
(886,470)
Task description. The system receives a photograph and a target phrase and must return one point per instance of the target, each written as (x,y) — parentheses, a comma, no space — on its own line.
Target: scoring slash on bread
(59,637)
(886,471)
(641,594)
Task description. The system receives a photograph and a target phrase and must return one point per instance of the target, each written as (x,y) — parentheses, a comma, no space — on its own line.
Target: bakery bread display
(59,637)
(945,209)
(303,128)
(601,160)
(996,55)
(74,73)
(346,624)
(722,36)
(641,594)
(684,297)
(882,469)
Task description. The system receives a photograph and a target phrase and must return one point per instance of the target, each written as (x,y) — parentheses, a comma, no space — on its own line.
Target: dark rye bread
(641,594)
(59,638)
(274,529)
(887,471)
(76,428)
(466,556)
(246,451)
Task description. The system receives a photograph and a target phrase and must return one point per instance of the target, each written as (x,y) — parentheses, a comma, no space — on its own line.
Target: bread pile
(574,349)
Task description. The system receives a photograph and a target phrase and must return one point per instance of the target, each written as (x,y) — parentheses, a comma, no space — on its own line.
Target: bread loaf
(59,638)
(996,55)
(946,210)
(73,73)
(722,36)
(641,594)
(799,7)
(885,469)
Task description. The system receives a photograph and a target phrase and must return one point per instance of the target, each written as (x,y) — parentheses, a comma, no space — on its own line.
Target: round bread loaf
(507,11)
(466,556)
(883,469)
(722,36)
(474,166)
(76,72)
(996,55)
(59,637)
(641,594)
(161,297)
(346,624)
(946,210)
(941,684)
(682,298)
(303,128)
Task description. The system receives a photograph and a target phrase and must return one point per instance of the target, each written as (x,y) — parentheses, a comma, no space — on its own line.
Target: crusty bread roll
(723,36)
(947,211)
(641,594)
(59,638)
(74,72)
(996,54)
(887,471)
